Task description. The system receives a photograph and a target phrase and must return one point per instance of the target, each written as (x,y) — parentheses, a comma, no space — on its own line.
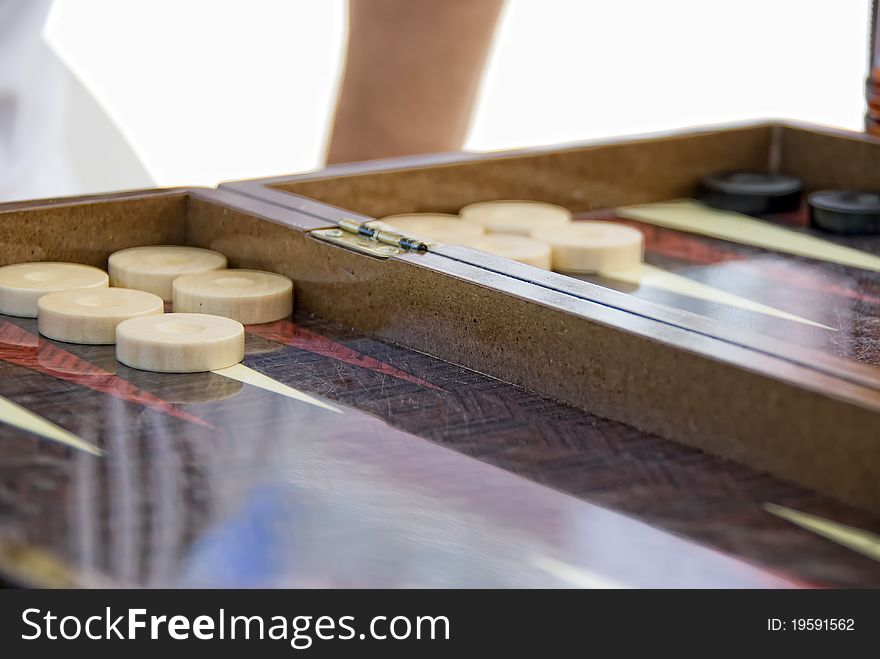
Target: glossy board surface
(206,480)
(841,302)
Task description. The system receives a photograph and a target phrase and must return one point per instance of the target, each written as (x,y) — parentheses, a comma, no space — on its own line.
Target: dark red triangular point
(289,333)
(23,348)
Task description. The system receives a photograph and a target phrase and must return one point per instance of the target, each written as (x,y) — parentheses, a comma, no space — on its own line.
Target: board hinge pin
(383,236)
(373,240)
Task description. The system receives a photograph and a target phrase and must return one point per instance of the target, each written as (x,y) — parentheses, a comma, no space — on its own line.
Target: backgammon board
(449,418)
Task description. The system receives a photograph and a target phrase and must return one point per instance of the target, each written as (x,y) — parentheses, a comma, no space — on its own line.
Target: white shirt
(33,162)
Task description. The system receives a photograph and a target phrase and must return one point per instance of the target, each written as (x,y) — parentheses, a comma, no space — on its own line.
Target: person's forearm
(412,74)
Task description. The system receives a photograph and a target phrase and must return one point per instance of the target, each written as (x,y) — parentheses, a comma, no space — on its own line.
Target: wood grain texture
(580,177)
(87,230)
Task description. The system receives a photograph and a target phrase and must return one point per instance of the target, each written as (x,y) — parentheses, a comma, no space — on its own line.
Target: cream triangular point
(16,415)
(647,275)
(694,217)
(573,575)
(249,376)
(859,540)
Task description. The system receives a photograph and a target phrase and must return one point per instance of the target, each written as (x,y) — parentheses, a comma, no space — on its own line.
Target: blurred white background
(210,90)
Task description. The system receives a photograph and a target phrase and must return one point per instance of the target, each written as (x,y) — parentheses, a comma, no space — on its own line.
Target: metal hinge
(373,240)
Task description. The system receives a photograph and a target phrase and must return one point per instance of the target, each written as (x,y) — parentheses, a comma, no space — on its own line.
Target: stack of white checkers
(211,304)
(531,232)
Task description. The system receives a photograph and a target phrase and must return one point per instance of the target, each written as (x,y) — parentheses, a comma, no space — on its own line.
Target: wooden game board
(440,418)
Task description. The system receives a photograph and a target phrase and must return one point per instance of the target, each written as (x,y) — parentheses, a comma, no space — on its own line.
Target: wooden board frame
(741,395)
